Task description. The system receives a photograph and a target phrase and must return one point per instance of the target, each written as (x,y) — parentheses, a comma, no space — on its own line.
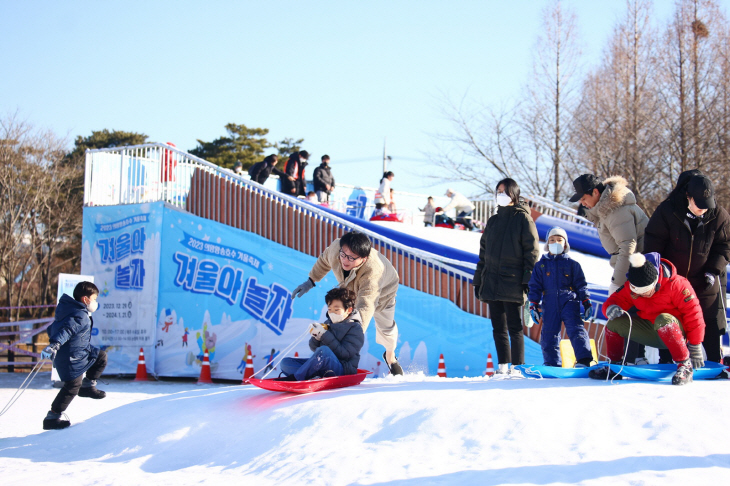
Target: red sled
(386,217)
(310,386)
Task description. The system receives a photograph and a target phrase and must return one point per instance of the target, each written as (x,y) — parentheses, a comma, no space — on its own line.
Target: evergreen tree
(103,139)
(242,144)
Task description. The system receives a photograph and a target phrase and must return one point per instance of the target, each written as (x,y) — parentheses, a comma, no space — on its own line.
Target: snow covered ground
(406,430)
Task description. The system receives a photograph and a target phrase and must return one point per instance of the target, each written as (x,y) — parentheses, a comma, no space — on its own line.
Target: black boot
(584,363)
(604,374)
(684,373)
(89,390)
(53,421)
(286,378)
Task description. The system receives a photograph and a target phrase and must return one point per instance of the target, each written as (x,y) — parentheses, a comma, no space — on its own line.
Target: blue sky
(342,75)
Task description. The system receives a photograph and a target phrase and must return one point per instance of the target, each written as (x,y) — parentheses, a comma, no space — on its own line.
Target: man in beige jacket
(365,271)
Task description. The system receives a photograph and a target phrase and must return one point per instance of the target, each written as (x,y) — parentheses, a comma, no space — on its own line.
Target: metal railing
(484,208)
(158,172)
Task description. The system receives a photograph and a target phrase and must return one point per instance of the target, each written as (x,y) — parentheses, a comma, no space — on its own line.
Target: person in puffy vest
(559,284)
(336,344)
(668,316)
(294,184)
(72,353)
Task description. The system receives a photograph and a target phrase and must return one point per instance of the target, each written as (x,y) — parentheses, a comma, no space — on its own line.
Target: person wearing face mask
(693,232)
(72,353)
(558,283)
(295,184)
(336,343)
(323,180)
(508,250)
(668,316)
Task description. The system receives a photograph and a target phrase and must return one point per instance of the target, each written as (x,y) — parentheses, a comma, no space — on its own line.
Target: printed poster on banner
(121,248)
(228,292)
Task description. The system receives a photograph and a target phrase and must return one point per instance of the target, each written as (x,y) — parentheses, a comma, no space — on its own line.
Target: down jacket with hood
(620,223)
(375,282)
(508,251)
(675,296)
(694,253)
(72,331)
(345,339)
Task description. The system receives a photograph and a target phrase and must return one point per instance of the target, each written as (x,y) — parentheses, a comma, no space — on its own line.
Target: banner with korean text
(121,249)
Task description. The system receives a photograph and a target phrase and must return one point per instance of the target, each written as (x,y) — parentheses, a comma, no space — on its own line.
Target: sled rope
(19,392)
(283,354)
(628,341)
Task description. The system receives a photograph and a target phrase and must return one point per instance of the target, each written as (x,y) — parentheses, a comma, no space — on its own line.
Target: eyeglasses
(349,258)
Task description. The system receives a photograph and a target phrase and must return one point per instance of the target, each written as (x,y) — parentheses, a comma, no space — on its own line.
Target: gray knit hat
(557,230)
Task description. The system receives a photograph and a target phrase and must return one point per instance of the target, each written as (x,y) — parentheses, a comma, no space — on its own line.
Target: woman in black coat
(690,230)
(507,255)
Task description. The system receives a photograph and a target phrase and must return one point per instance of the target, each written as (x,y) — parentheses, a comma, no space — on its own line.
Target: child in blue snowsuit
(559,283)
(337,348)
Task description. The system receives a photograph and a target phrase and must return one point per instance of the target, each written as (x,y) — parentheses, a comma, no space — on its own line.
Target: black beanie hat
(642,273)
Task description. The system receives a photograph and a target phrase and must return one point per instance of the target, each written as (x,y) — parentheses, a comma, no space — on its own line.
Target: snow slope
(414,430)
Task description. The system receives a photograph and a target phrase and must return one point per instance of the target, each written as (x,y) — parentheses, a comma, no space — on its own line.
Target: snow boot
(502,369)
(515,373)
(615,346)
(683,374)
(89,390)
(604,373)
(671,336)
(584,363)
(53,421)
(395,368)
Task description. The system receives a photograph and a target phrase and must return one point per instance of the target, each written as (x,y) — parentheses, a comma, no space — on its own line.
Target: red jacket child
(675,296)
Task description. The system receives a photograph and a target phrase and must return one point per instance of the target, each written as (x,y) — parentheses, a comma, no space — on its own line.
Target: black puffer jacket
(508,251)
(706,250)
(260,172)
(345,339)
(322,177)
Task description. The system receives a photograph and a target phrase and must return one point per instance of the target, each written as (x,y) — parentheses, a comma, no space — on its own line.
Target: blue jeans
(322,361)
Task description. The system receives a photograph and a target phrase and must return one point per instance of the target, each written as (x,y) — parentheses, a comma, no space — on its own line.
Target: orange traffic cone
(248,372)
(490,365)
(205,370)
(141,368)
(442,367)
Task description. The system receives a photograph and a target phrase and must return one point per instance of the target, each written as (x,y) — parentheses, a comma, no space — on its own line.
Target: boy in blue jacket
(336,347)
(559,282)
(71,352)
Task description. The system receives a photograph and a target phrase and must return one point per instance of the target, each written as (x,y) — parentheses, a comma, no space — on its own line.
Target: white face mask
(337,318)
(555,248)
(93,306)
(503,199)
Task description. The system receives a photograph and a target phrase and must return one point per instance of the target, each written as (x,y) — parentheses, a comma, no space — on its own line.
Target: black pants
(71,388)
(507,331)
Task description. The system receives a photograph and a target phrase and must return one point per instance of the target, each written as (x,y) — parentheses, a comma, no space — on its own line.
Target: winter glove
(50,351)
(710,279)
(303,288)
(614,312)
(695,354)
(317,330)
(587,310)
(535,312)
(476,291)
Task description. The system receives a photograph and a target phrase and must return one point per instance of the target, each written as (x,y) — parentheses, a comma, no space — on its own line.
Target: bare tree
(529,140)
(619,108)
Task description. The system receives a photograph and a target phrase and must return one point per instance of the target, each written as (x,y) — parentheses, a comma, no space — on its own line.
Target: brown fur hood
(615,195)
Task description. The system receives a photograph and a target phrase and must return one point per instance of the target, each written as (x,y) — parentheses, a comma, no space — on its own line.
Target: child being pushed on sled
(559,282)
(336,344)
